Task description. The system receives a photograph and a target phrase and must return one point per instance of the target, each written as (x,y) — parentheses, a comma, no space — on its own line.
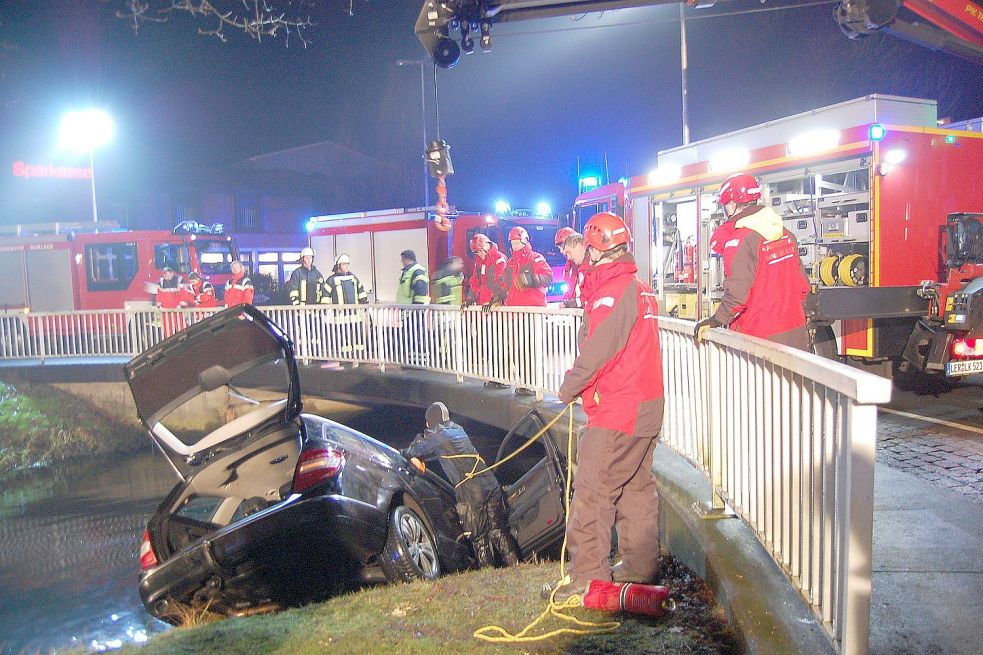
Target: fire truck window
(174,255)
(110,266)
(214,256)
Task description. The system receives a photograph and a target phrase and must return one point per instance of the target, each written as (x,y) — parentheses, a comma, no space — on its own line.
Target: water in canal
(70,537)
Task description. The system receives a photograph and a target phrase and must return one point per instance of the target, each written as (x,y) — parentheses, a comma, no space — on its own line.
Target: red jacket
(487,276)
(765,286)
(169,292)
(618,372)
(239,289)
(198,295)
(571,277)
(538,272)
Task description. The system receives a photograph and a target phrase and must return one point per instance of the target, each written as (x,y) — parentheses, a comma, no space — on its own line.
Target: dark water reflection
(70,538)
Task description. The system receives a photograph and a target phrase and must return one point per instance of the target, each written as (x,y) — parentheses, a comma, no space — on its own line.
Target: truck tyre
(824,342)
(410,552)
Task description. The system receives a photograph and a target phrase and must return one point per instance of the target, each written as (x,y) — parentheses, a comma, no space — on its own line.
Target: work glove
(699,333)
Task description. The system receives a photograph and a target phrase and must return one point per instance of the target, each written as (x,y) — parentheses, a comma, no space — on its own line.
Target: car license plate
(968,367)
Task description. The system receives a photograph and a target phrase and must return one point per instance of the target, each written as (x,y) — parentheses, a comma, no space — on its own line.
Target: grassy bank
(39,425)
(440,617)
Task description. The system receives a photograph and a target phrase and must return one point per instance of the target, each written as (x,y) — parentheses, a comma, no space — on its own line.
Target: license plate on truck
(967,367)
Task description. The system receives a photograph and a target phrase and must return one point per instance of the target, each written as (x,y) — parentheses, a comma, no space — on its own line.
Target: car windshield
(247,400)
(214,256)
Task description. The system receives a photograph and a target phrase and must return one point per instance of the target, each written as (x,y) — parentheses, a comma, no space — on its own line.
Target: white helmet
(307,252)
(342,259)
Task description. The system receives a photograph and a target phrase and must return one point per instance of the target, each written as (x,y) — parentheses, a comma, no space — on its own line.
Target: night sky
(517,119)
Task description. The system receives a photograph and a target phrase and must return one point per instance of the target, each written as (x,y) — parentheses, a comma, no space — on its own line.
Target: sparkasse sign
(32,171)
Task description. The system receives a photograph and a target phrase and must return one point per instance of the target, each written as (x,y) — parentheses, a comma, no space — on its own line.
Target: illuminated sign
(30,171)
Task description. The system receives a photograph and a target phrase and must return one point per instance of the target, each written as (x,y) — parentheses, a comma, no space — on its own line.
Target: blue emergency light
(877,132)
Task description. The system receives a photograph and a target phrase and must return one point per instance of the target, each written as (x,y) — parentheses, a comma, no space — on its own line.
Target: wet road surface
(70,537)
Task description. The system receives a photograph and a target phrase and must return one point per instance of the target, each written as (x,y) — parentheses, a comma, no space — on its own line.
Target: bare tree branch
(257,19)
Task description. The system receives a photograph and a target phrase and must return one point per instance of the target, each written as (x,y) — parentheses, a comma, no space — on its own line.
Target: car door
(533,484)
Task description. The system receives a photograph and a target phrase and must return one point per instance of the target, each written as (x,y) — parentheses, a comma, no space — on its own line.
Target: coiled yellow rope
(498,634)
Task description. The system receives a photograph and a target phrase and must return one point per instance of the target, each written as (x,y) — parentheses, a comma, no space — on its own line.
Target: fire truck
(887,208)
(61,267)
(374,240)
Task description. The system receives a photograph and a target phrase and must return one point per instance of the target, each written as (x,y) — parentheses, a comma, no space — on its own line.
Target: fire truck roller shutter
(49,275)
(388,246)
(12,289)
(324,253)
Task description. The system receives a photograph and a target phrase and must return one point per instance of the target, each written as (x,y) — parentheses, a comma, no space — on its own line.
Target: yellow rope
(498,634)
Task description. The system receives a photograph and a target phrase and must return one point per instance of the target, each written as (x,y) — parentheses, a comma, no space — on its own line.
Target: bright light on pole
(85,131)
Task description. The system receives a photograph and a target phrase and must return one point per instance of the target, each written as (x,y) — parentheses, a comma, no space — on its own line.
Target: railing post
(715,378)
(855,489)
(380,343)
(459,343)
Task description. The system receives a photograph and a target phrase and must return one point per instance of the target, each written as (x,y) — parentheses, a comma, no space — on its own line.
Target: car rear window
(199,508)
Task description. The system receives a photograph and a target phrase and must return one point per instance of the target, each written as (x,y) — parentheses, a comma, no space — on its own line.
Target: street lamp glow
(86,130)
(543,209)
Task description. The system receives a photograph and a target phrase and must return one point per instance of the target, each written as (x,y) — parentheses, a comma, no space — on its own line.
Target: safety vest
(405,294)
(447,289)
(345,289)
(304,286)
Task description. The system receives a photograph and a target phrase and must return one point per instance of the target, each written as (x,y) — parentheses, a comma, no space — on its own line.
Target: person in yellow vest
(413,287)
(413,290)
(448,285)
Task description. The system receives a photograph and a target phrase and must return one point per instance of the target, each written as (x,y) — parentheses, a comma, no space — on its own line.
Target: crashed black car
(275,507)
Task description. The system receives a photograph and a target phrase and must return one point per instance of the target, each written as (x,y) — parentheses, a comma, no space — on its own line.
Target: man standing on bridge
(765,286)
(618,374)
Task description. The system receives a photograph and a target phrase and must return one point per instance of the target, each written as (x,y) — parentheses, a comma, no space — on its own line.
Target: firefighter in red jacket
(765,286)
(618,374)
(527,274)
(569,269)
(169,296)
(487,272)
(575,250)
(198,292)
(239,288)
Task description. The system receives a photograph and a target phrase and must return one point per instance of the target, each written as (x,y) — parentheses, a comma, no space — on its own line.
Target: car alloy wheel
(419,544)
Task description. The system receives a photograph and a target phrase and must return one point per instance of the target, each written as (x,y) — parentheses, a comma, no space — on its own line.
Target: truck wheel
(410,552)
(824,342)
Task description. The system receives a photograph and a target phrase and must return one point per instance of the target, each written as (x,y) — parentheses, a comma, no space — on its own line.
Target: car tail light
(316,466)
(967,348)
(148,559)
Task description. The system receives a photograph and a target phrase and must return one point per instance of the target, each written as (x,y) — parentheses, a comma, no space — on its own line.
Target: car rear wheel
(410,552)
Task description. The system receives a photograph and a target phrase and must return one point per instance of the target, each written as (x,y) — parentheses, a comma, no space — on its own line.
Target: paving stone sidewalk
(947,460)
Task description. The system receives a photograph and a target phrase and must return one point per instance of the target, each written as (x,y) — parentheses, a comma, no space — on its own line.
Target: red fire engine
(886,205)
(374,240)
(60,267)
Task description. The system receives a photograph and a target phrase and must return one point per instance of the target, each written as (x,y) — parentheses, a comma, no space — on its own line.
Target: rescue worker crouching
(618,374)
(765,286)
(198,292)
(305,286)
(239,288)
(480,501)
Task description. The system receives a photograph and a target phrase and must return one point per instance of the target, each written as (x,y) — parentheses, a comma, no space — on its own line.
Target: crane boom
(952,26)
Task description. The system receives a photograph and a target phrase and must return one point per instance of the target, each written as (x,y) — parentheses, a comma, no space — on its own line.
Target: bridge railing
(785,438)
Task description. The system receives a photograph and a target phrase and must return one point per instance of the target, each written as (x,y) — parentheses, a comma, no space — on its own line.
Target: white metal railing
(785,438)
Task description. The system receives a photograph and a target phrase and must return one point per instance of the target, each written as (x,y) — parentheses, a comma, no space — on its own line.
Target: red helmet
(563,234)
(480,242)
(741,188)
(605,231)
(519,234)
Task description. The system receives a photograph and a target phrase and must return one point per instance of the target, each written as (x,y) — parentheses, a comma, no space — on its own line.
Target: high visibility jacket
(344,289)
(413,286)
(305,286)
(526,277)
(447,287)
(169,292)
(618,372)
(239,289)
(198,295)
(487,277)
(765,287)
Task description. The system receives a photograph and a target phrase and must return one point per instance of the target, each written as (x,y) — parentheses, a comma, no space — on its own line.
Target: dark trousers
(613,485)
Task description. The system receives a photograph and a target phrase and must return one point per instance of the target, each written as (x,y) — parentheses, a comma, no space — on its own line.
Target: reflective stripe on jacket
(447,287)
(487,277)
(413,286)
(765,286)
(618,372)
(239,290)
(526,260)
(344,289)
(304,286)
